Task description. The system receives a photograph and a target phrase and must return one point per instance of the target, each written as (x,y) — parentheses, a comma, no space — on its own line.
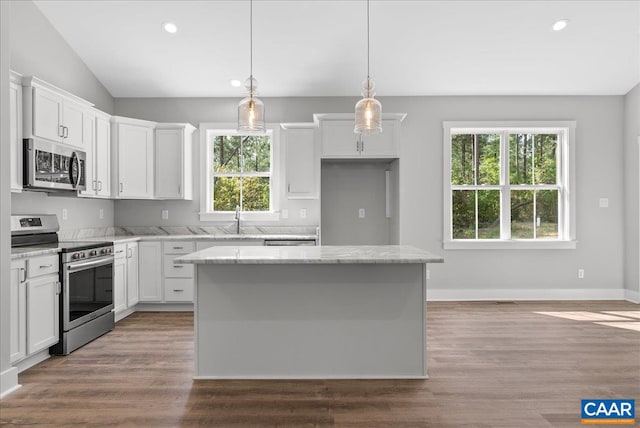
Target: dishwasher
(289,242)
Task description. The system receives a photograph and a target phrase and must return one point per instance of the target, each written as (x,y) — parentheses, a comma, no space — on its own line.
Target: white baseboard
(124,314)
(525,294)
(632,296)
(9,381)
(164,307)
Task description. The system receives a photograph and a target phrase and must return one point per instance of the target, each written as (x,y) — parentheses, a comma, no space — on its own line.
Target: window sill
(522,244)
(209,216)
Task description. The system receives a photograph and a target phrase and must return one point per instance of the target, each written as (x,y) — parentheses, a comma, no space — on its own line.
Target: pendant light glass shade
(251,110)
(368,111)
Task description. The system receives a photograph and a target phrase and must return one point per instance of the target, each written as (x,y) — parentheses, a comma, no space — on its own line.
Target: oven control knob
(93,253)
(75,256)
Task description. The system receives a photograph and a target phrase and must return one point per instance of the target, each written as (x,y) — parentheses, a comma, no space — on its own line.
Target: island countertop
(323,254)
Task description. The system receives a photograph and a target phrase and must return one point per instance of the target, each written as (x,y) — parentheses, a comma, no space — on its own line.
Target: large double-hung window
(509,185)
(239,173)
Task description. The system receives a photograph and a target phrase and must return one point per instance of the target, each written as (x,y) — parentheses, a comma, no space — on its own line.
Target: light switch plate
(165,214)
(303,213)
(361,213)
(101,214)
(604,202)
(65,214)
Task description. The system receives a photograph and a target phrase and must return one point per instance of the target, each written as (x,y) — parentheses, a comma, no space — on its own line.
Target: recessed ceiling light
(560,25)
(235,83)
(170,27)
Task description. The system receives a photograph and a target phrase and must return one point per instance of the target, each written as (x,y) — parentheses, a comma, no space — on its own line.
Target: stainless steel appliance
(52,166)
(86,274)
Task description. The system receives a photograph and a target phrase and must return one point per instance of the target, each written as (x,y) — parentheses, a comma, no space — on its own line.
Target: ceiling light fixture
(368,109)
(560,25)
(251,109)
(170,27)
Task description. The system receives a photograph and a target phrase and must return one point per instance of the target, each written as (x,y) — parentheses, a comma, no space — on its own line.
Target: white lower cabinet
(125,278)
(178,278)
(42,312)
(18,310)
(34,306)
(150,270)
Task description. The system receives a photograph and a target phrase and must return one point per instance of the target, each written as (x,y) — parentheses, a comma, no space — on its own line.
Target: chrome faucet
(237,217)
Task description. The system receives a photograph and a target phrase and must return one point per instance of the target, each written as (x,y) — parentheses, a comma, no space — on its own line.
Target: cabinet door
(18,311)
(88,139)
(301,163)
(47,115)
(132,275)
(382,144)
(150,271)
(135,161)
(338,139)
(169,163)
(119,284)
(72,120)
(42,312)
(15,131)
(102,164)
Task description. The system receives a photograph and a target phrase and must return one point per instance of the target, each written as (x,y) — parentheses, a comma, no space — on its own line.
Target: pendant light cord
(367,39)
(251,38)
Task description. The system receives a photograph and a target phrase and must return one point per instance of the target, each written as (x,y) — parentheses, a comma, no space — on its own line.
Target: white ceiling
(318,48)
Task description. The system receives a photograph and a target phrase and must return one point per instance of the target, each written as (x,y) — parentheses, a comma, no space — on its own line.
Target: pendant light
(251,109)
(368,109)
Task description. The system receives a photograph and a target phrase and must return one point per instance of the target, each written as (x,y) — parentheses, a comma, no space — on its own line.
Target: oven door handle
(94,263)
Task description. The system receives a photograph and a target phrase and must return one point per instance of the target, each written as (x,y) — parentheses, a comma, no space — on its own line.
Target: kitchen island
(355,312)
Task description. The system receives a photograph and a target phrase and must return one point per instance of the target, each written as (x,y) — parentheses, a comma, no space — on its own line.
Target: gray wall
(631,193)
(465,274)
(37,49)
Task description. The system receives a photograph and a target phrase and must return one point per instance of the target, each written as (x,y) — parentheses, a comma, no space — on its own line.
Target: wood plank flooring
(490,365)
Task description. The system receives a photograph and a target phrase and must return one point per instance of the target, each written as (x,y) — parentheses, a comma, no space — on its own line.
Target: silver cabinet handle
(121,187)
(129,253)
(66,132)
(60,131)
(99,185)
(178,266)
(361,146)
(121,251)
(178,291)
(45,266)
(178,248)
(94,185)
(179,189)
(289,188)
(58,287)
(24,275)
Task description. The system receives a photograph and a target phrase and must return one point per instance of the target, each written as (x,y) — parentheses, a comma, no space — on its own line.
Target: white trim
(163,307)
(125,313)
(9,381)
(495,244)
(632,296)
(205,182)
(328,377)
(500,294)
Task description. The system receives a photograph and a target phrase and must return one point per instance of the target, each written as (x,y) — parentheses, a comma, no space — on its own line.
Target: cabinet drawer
(178,290)
(179,247)
(119,251)
(42,265)
(175,270)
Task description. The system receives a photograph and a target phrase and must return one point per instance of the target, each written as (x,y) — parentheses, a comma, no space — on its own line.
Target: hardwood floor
(490,365)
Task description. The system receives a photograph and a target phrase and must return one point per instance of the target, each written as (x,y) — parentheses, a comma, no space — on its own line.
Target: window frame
(565,184)
(208,130)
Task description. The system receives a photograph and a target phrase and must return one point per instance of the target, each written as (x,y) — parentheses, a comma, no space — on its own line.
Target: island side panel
(310,321)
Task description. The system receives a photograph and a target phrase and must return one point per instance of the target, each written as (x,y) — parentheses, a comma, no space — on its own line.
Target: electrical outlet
(101,214)
(580,273)
(604,202)
(428,274)
(303,213)
(361,213)
(65,214)
(284,213)
(165,214)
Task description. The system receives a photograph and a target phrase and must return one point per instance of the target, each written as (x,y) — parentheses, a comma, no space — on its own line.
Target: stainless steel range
(86,274)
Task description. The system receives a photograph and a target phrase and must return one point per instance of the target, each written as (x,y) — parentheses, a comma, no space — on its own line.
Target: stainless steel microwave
(52,166)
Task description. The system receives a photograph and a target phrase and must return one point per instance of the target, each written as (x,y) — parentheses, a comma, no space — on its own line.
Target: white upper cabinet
(339,141)
(52,113)
(132,153)
(173,160)
(301,160)
(15,130)
(97,137)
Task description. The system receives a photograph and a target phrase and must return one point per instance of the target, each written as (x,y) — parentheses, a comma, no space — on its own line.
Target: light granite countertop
(25,252)
(311,255)
(121,239)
